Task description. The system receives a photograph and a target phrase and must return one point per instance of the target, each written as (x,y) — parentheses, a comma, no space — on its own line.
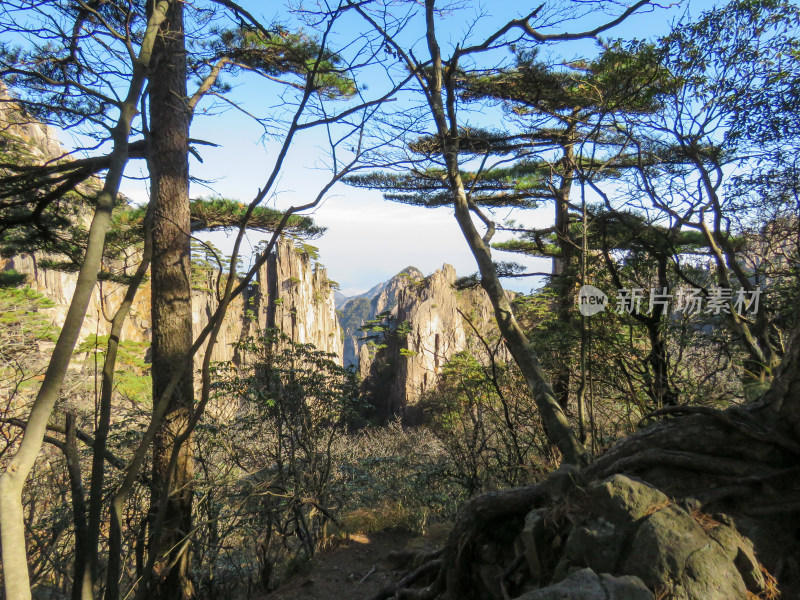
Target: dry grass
(388,515)
(662,593)
(771,591)
(707,522)
(654,508)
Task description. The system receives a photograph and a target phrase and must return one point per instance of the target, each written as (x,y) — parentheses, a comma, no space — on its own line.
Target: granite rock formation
(434,320)
(296,297)
(39,141)
(290,293)
(366,307)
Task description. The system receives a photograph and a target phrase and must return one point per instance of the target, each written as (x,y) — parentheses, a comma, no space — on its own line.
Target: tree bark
(171,306)
(783,397)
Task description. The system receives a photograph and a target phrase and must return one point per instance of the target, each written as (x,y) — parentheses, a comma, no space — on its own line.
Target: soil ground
(353,569)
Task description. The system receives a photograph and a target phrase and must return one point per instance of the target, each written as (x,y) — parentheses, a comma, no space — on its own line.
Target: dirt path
(356,569)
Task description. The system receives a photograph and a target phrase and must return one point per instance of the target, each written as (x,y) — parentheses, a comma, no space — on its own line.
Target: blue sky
(368,239)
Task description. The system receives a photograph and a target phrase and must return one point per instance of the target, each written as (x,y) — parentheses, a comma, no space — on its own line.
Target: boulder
(532,538)
(596,544)
(628,528)
(621,500)
(587,585)
(670,549)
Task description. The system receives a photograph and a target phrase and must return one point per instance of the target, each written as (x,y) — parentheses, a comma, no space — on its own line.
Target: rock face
(290,293)
(587,585)
(59,286)
(622,539)
(296,296)
(434,319)
(39,141)
(366,307)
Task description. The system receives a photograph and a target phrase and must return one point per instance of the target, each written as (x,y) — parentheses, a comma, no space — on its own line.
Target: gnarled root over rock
(678,525)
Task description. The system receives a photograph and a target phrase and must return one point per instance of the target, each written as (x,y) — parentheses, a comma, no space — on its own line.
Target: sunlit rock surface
(437,321)
(291,293)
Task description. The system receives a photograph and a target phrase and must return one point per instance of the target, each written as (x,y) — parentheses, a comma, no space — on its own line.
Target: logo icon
(591,300)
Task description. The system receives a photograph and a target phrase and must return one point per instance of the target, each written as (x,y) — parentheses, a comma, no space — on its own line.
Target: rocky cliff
(432,320)
(34,140)
(290,293)
(366,307)
(295,295)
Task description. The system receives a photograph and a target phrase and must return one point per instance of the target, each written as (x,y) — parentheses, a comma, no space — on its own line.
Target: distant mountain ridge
(357,310)
(433,314)
(376,289)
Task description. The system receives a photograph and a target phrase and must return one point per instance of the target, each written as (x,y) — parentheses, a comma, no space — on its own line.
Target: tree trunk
(103,428)
(171,306)
(12,527)
(783,397)
(82,578)
(564,278)
(554,420)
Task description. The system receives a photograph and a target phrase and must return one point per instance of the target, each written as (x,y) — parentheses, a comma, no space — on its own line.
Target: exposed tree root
(738,419)
(482,514)
(402,587)
(401,559)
